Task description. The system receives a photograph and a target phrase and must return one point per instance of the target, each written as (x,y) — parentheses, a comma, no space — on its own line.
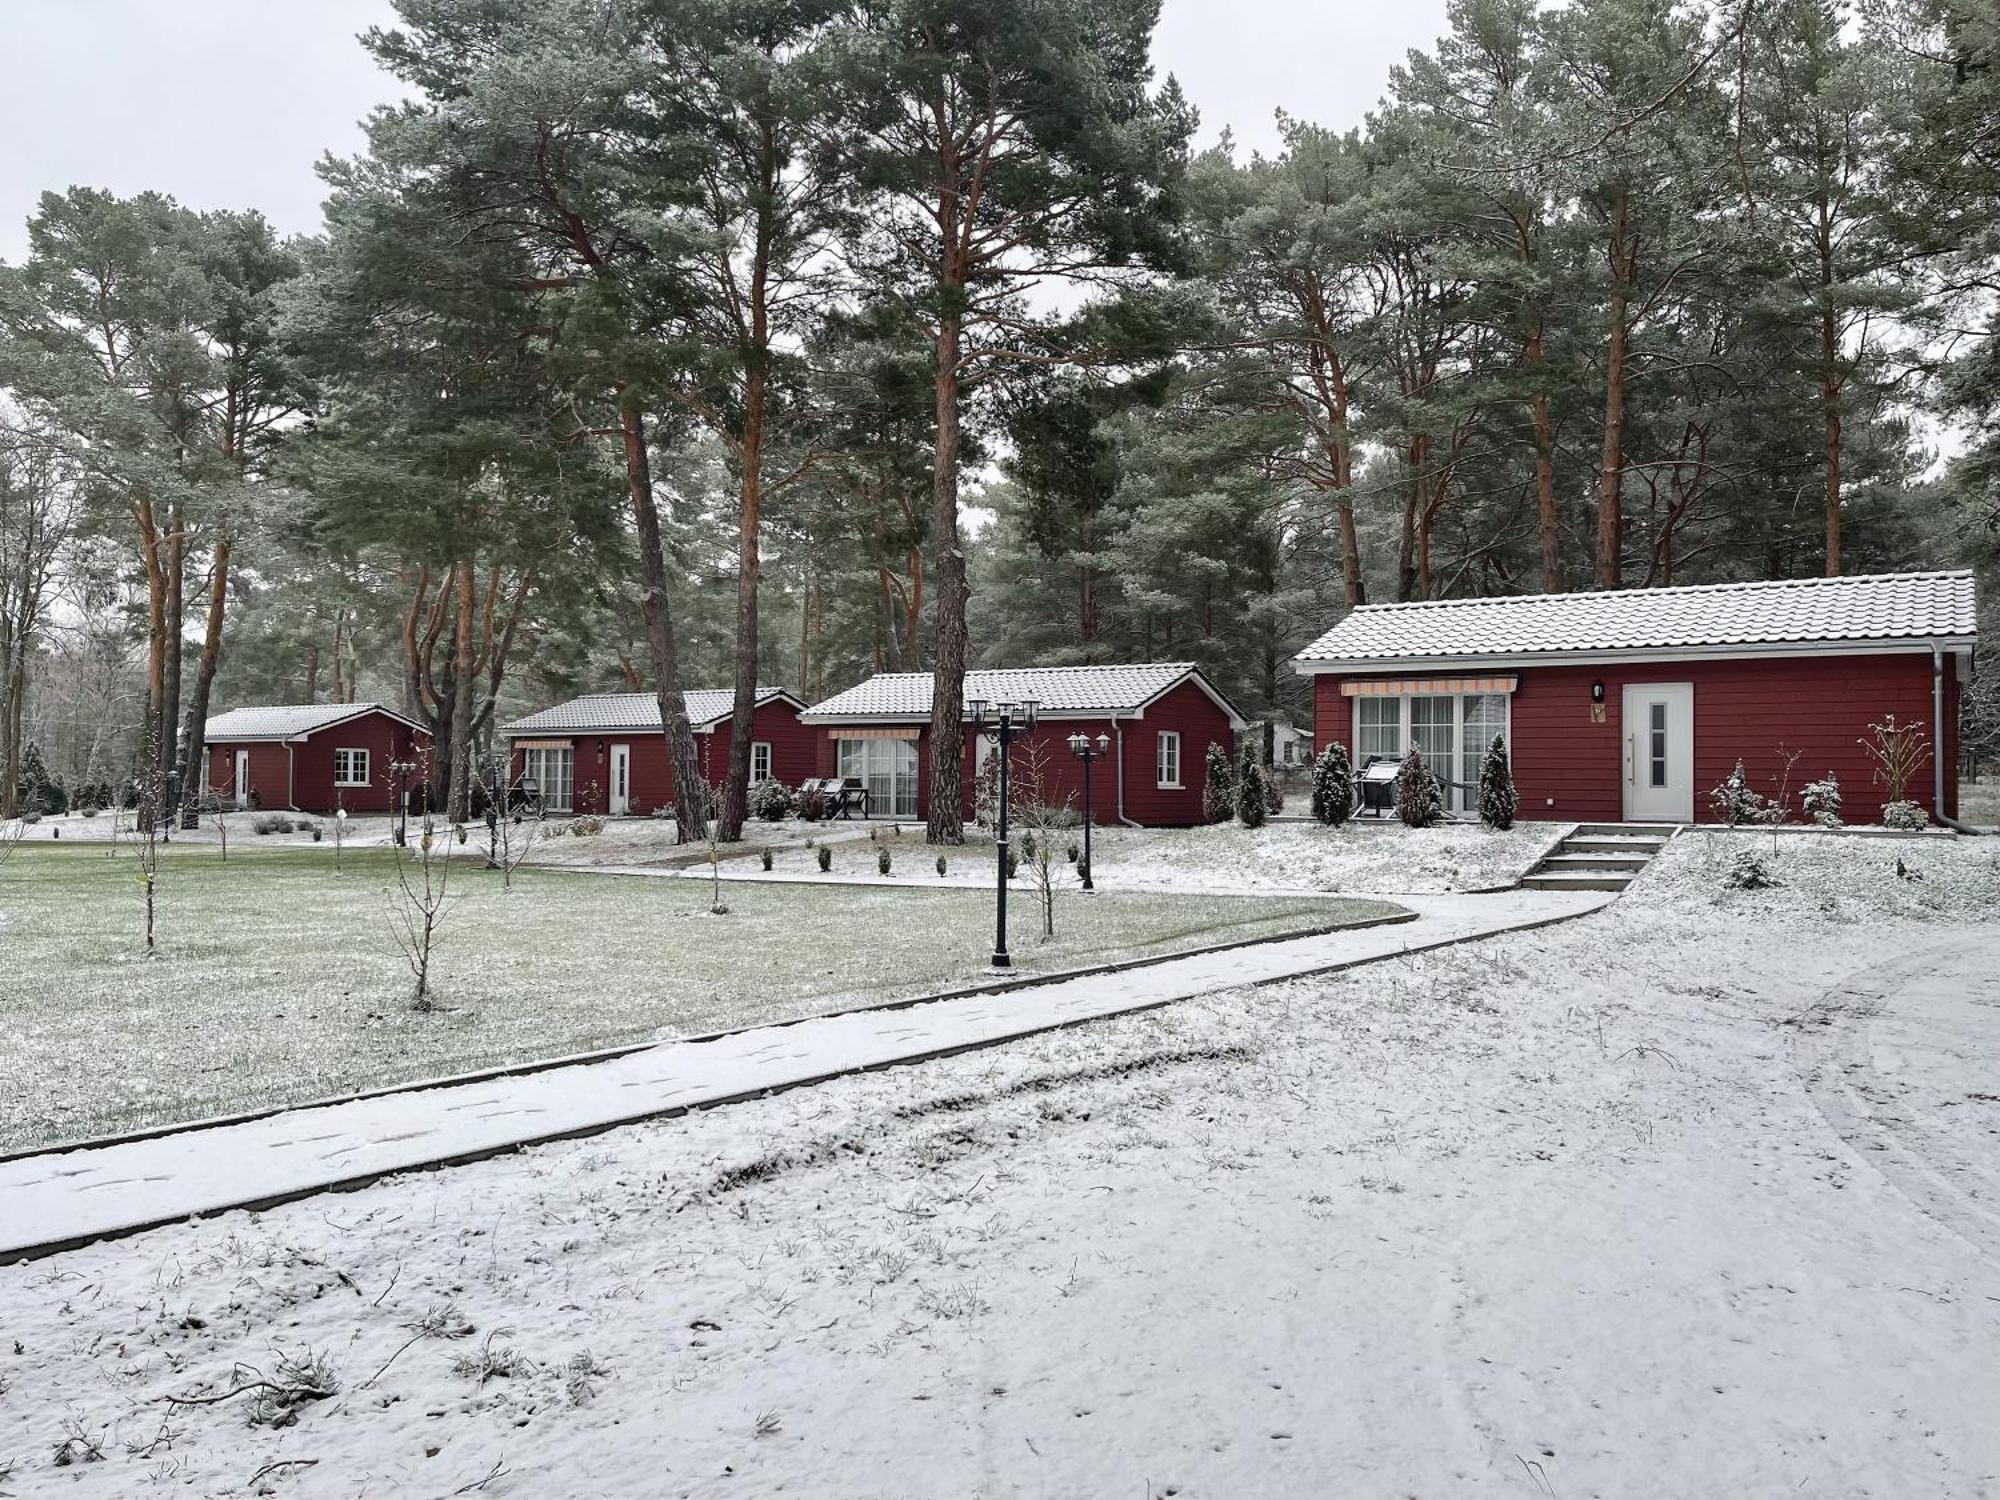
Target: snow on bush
(1498,800)
(1250,808)
(770,801)
(1748,872)
(1735,801)
(1333,786)
(1218,786)
(1908,816)
(1419,798)
(1821,801)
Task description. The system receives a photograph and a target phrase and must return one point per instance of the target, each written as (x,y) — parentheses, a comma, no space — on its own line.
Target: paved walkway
(61,1199)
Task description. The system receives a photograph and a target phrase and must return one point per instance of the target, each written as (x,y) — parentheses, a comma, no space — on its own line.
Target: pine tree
(1419,798)
(1218,787)
(1333,786)
(1250,807)
(1497,797)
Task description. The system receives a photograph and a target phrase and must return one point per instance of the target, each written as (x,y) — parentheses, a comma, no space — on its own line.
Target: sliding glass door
(888,768)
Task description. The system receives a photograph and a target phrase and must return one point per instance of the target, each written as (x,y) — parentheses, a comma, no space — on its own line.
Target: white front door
(241,791)
(621,780)
(1659,752)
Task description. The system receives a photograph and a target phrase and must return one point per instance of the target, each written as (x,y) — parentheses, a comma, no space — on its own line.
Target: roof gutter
(1379,666)
(1938,742)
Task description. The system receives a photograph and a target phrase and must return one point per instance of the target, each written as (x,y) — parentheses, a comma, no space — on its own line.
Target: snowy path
(62,1199)
(1898,1059)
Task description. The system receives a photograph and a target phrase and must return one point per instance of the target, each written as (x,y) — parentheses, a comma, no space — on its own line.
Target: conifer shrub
(1419,798)
(1218,786)
(1250,810)
(1333,786)
(1498,800)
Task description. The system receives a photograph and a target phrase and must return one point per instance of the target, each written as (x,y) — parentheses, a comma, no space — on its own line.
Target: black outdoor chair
(1375,787)
(524,797)
(845,798)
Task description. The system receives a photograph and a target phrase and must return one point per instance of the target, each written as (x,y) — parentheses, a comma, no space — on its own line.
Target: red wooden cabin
(1160,718)
(607,753)
(313,757)
(1633,705)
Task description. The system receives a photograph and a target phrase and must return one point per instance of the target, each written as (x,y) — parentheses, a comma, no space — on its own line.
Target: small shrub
(1333,786)
(810,805)
(1074,852)
(1748,872)
(766,857)
(770,801)
(1250,810)
(1898,751)
(882,859)
(941,866)
(1734,800)
(1013,861)
(1218,786)
(1274,794)
(88,812)
(1821,801)
(30,815)
(1498,800)
(586,825)
(1419,798)
(1908,816)
(270,823)
(825,858)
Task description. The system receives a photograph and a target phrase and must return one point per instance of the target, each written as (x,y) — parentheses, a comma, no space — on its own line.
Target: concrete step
(1570,880)
(1615,843)
(1569,859)
(1630,830)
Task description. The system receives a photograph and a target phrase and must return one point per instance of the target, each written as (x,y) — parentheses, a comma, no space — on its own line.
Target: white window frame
(760,761)
(887,767)
(350,779)
(1167,760)
(1455,759)
(558,793)
(1399,738)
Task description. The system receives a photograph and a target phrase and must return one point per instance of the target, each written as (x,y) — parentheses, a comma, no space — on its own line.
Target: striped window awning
(1423,687)
(874,731)
(541,744)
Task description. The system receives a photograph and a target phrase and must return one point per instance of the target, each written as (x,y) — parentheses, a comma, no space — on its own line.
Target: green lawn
(278,981)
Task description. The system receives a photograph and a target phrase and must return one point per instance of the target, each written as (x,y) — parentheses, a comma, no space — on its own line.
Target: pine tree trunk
(749,523)
(1830,398)
(312,671)
(193,741)
(170,709)
(946,823)
(1611,470)
(152,762)
(1545,465)
(656,607)
(464,682)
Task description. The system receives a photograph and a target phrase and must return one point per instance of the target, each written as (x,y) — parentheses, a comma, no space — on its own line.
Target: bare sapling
(146,842)
(1898,751)
(1045,824)
(12,831)
(510,832)
(1779,810)
(218,817)
(712,808)
(418,907)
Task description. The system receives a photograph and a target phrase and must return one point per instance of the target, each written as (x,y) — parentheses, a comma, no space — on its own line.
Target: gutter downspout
(291,796)
(1118,729)
(1938,743)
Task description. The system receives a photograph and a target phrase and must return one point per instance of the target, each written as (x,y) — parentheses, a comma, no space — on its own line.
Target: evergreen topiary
(882,859)
(1821,801)
(1419,798)
(1218,787)
(1333,786)
(1734,799)
(1498,800)
(825,858)
(1274,794)
(1250,791)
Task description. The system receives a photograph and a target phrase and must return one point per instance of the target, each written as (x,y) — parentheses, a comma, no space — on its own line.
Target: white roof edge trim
(361,710)
(1762,650)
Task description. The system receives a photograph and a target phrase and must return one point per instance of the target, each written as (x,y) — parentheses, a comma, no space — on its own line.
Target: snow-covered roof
(1061,691)
(286,721)
(1706,619)
(608,713)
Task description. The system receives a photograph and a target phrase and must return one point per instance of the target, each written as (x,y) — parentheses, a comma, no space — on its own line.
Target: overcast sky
(228,103)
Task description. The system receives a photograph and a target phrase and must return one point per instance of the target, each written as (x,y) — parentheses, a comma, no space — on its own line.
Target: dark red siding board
(1569,767)
(298,775)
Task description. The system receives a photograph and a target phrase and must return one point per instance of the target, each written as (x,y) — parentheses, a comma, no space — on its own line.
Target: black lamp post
(1004,719)
(1085,750)
(401,769)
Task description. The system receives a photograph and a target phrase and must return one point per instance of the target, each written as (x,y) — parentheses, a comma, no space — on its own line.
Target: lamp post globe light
(402,770)
(1005,720)
(1086,750)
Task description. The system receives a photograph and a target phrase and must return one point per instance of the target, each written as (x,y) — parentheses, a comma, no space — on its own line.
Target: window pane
(1378,728)
(1431,730)
(1485,717)
(1657,749)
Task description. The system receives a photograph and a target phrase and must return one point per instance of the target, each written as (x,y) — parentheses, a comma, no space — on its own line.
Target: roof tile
(636,711)
(1107,689)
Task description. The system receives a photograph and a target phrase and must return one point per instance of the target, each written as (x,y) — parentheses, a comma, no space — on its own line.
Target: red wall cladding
(1569,767)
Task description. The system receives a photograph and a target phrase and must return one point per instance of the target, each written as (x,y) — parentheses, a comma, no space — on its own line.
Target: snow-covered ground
(1367,854)
(1690,1197)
